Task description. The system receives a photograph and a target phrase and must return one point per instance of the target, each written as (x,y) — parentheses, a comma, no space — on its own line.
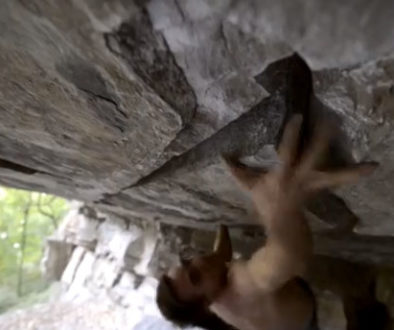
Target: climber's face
(203,277)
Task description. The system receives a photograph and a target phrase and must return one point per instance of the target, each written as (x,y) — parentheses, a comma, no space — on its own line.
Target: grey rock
(327,34)
(72,265)
(78,288)
(56,258)
(170,193)
(363,99)
(76,229)
(127,105)
(77,101)
(103,273)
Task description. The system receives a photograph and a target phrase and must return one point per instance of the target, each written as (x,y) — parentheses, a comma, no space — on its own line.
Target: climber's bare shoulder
(246,306)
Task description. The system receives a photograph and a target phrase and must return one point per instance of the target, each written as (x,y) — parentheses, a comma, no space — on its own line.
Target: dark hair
(193,313)
(314,324)
(365,316)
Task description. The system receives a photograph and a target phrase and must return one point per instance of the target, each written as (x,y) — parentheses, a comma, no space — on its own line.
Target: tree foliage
(26,219)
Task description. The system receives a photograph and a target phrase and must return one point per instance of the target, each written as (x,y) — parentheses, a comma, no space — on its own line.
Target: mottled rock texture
(128,105)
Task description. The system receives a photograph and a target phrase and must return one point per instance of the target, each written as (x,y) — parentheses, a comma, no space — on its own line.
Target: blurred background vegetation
(26,219)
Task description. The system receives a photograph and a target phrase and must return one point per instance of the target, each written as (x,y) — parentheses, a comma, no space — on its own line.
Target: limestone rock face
(127,105)
(363,99)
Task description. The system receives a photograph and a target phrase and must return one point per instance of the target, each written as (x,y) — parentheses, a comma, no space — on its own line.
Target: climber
(268,291)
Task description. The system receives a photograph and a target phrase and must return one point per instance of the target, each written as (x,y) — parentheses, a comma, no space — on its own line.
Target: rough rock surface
(128,105)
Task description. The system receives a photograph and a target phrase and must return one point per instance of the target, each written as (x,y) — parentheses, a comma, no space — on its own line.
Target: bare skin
(262,292)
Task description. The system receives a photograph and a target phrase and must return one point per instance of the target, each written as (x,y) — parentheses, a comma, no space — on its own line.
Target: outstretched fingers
(288,147)
(325,180)
(316,149)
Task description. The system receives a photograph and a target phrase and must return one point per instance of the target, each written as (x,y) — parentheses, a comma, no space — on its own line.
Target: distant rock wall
(108,271)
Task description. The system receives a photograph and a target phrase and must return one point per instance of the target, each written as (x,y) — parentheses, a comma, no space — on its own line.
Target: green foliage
(49,293)
(26,219)
(8,298)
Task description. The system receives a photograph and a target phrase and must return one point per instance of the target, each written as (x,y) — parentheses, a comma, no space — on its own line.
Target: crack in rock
(290,82)
(86,78)
(148,54)
(19,168)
